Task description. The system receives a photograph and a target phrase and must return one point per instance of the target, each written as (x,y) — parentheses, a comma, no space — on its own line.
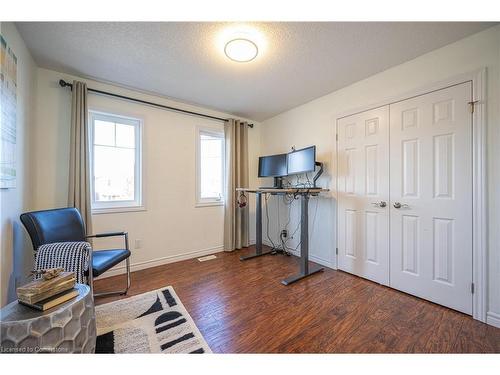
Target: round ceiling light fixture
(241,50)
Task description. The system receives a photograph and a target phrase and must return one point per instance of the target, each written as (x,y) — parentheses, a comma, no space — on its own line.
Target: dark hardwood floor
(241,307)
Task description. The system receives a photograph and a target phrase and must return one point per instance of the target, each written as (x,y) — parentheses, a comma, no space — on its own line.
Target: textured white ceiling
(297,62)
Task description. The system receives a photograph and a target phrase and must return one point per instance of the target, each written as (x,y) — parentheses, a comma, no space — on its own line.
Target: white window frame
(212,201)
(126,205)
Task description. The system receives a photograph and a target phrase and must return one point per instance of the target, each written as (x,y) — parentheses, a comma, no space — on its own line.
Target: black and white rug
(153,322)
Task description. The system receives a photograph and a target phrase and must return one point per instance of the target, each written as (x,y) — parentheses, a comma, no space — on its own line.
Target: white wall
(312,123)
(15,254)
(171,228)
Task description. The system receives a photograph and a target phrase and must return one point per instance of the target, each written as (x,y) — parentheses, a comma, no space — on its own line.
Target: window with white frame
(210,167)
(116,173)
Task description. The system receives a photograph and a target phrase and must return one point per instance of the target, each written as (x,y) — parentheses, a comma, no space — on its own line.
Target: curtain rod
(63,83)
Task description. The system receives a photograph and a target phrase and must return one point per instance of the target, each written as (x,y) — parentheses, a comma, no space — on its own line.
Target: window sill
(117,210)
(209,204)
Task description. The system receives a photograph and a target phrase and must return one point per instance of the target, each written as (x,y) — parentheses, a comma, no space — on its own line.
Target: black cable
(314,217)
(288,200)
(280,233)
(285,249)
(279,216)
(299,224)
(313,224)
(289,204)
(309,181)
(267,224)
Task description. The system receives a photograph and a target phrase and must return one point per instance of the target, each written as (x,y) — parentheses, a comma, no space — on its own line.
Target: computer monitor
(301,161)
(272,166)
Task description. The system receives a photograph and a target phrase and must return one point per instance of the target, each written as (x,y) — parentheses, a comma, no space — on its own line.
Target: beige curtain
(235,218)
(79,167)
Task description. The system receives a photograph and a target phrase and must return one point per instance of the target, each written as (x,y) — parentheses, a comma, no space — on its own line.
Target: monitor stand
(278,184)
(320,165)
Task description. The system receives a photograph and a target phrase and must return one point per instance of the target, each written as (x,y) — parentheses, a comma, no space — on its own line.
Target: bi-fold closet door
(363,194)
(405,196)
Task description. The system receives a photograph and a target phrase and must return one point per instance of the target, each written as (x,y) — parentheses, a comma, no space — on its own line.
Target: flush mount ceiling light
(241,50)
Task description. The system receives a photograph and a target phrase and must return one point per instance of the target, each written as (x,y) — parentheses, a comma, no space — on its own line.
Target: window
(115,160)
(210,167)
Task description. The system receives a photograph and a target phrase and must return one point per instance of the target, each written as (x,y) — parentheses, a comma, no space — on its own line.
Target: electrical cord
(266,197)
(286,183)
(303,185)
(283,245)
(279,216)
(288,200)
(309,183)
(314,217)
(288,203)
(277,249)
(300,224)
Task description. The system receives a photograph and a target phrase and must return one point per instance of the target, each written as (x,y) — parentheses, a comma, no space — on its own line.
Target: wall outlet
(138,244)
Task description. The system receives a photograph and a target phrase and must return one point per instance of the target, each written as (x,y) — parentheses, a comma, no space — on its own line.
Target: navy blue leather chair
(66,225)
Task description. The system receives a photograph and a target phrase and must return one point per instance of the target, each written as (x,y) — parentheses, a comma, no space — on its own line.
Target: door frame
(479,170)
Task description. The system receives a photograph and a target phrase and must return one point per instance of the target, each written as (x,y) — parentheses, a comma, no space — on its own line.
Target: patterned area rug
(153,322)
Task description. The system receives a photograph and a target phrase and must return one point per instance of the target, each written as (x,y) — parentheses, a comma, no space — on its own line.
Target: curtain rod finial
(63,83)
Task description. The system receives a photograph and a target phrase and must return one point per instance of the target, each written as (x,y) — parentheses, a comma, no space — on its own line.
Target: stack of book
(44,294)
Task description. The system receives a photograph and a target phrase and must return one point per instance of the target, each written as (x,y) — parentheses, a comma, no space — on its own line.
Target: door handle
(380,204)
(400,205)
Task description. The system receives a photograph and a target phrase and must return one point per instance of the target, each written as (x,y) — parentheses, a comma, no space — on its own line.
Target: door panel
(363,170)
(431,177)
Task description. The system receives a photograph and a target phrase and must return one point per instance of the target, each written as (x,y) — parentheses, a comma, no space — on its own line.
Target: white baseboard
(321,261)
(160,261)
(312,258)
(493,319)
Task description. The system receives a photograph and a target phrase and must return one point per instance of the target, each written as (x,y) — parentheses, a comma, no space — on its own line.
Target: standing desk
(304,193)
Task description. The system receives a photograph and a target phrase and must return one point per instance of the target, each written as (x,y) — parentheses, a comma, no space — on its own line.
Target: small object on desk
(39,290)
(49,273)
(52,301)
(41,285)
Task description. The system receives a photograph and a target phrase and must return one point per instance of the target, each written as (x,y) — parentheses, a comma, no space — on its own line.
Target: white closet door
(363,183)
(431,178)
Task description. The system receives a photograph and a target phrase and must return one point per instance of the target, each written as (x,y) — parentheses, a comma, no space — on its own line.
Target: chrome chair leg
(119,292)
(91,275)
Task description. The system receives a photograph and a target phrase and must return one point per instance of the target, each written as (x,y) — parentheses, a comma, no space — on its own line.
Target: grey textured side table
(67,328)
